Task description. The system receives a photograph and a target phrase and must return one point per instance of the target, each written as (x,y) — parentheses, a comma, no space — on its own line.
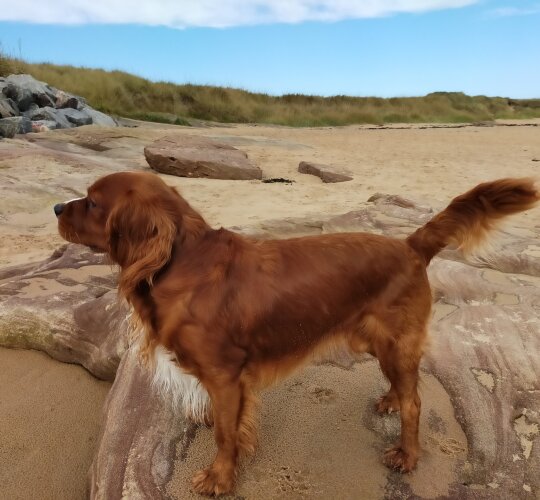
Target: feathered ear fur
(141,234)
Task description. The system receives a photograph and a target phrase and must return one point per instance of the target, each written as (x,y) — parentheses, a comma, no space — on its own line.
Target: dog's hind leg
(226,396)
(400,363)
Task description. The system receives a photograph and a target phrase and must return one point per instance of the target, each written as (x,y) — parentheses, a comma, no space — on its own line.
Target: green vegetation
(123,94)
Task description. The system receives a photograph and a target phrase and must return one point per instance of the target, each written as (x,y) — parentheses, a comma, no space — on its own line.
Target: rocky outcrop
(325,172)
(43,106)
(140,433)
(191,156)
(67,307)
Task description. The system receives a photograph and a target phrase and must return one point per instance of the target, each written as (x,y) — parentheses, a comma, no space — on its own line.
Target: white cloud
(516,11)
(210,13)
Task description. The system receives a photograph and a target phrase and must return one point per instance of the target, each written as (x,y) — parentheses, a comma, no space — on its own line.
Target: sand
(49,421)
(49,412)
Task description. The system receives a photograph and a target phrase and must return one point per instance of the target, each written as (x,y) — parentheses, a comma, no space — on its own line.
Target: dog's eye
(91,203)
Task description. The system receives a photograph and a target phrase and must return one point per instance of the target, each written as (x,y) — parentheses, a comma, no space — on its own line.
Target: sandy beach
(50,412)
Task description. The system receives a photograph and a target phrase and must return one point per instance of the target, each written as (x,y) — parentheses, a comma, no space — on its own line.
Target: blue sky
(325,47)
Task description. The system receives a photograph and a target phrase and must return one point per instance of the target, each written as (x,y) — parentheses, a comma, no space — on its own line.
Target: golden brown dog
(236,314)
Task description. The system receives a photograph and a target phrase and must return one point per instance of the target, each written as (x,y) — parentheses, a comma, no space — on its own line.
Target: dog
(226,315)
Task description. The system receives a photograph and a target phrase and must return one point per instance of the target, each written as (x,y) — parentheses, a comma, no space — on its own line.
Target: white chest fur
(184,391)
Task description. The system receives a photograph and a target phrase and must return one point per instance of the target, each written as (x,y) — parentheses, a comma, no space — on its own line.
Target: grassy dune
(123,94)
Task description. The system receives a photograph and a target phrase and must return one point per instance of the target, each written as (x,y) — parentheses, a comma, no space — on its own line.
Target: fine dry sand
(49,412)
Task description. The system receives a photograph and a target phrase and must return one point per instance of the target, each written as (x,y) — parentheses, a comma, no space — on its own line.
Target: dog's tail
(468,219)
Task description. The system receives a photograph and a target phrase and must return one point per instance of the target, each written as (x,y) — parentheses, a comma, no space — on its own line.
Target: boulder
(33,108)
(99,118)
(23,97)
(15,125)
(191,156)
(51,114)
(27,90)
(325,172)
(76,117)
(66,100)
(8,107)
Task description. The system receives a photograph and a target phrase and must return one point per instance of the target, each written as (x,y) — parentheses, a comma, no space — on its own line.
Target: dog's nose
(58,208)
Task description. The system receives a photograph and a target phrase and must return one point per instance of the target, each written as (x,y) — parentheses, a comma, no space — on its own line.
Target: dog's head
(134,217)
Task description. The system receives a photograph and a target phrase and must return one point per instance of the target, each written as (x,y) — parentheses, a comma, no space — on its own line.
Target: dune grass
(123,94)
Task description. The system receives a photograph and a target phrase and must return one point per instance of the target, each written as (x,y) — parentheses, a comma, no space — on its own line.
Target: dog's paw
(396,458)
(211,482)
(387,404)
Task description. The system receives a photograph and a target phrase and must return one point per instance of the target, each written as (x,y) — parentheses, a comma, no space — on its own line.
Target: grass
(123,94)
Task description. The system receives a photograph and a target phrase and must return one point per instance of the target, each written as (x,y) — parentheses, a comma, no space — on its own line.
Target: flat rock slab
(190,156)
(67,307)
(325,172)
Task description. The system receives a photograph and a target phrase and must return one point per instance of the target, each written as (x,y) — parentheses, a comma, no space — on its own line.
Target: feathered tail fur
(471,216)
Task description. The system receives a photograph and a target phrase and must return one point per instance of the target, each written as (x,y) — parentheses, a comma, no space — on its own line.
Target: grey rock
(190,156)
(51,114)
(8,107)
(325,172)
(99,118)
(14,125)
(33,108)
(40,93)
(23,97)
(76,117)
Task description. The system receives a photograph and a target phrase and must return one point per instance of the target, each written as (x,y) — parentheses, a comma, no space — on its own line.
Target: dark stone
(23,97)
(8,107)
(33,108)
(15,125)
(76,117)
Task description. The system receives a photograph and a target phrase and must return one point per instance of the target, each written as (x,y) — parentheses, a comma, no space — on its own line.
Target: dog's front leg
(218,478)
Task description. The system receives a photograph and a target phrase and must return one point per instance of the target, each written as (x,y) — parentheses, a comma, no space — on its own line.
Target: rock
(67,307)
(44,125)
(325,172)
(8,107)
(140,434)
(41,102)
(65,100)
(76,117)
(33,108)
(191,156)
(99,118)
(38,92)
(23,97)
(51,114)
(14,125)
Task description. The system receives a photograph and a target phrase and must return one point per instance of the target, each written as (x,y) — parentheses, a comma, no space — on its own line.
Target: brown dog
(236,314)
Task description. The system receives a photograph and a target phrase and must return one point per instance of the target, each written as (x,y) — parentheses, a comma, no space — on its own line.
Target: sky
(324,47)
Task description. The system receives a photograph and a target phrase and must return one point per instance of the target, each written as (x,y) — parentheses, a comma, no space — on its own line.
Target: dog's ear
(140,234)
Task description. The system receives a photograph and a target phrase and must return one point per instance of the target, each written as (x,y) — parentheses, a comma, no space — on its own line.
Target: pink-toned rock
(191,156)
(325,172)
(139,437)
(67,307)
